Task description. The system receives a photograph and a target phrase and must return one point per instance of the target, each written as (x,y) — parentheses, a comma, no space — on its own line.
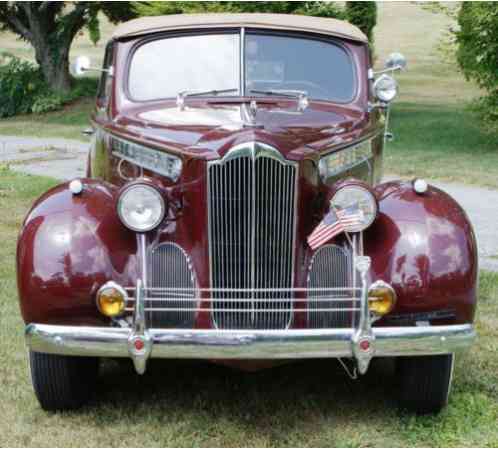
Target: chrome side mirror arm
(81,65)
(391,70)
(109,71)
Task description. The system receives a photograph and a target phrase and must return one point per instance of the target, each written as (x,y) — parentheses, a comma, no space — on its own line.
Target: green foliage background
(477,53)
(23,89)
(361,14)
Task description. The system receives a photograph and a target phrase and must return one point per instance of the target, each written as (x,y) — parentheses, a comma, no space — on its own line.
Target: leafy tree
(477,52)
(326,9)
(361,14)
(51,26)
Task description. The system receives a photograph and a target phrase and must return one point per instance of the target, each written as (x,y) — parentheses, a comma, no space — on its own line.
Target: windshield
(166,67)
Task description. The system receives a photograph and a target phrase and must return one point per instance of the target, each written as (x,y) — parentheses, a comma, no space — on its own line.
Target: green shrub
(46,103)
(477,53)
(23,89)
(363,15)
(20,83)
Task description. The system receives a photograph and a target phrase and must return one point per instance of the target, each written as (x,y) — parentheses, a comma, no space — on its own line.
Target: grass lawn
(197,404)
(67,123)
(441,141)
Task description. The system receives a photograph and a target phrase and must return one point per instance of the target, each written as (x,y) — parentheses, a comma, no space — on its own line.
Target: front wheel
(62,382)
(425,382)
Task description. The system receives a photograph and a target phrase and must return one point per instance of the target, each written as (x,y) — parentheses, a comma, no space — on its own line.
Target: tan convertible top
(291,22)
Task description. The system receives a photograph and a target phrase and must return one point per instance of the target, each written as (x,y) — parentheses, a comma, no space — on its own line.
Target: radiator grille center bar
(252,194)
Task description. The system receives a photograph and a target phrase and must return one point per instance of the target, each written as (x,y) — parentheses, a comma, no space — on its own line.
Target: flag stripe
(323,229)
(335,222)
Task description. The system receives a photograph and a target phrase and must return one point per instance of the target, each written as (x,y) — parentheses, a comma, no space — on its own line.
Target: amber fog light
(381,298)
(111,299)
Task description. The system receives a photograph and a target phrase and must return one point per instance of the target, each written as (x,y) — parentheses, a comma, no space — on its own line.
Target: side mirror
(395,61)
(80,65)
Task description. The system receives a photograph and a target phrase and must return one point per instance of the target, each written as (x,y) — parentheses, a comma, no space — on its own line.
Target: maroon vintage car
(233,211)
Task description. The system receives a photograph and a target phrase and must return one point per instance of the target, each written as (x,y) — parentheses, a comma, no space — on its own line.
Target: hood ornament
(248,114)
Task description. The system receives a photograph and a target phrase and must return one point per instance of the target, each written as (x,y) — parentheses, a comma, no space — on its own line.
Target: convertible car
(233,210)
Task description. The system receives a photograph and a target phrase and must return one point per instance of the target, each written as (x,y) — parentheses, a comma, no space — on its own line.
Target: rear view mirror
(80,65)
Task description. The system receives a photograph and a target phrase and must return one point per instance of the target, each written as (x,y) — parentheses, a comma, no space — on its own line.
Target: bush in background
(363,15)
(477,53)
(23,89)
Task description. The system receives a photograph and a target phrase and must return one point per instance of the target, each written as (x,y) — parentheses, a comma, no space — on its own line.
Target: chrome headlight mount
(141,207)
(356,196)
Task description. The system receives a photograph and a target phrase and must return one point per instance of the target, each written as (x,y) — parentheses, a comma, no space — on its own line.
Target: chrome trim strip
(254,344)
(150,157)
(142,250)
(242,76)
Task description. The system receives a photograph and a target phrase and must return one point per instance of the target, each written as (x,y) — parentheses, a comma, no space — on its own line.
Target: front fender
(425,247)
(70,245)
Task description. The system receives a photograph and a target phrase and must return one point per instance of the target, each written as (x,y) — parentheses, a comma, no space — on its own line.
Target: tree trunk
(54,64)
(50,28)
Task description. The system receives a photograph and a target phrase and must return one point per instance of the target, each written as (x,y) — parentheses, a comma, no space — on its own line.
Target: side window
(105,79)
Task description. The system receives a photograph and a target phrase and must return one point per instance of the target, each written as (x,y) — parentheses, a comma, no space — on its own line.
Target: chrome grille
(332,268)
(251,232)
(169,269)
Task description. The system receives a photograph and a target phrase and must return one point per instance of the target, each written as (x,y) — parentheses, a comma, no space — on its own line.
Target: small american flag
(335,222)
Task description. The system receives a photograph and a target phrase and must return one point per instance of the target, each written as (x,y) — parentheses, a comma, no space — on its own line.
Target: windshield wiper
(180,98)
(300,95)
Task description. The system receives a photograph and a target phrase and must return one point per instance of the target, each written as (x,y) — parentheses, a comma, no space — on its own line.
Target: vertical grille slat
(331,267)
(251,216)
(169,268)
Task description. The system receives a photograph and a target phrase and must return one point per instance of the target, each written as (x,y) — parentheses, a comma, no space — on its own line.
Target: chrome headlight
(141,207)
(385,88)
(360,197)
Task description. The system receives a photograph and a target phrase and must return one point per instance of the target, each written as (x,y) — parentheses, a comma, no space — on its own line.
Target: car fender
(425,247)
(69,245)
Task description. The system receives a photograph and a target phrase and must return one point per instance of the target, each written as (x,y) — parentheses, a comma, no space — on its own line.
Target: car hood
(212,128)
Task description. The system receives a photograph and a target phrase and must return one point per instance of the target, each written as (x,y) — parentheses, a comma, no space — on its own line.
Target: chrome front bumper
(141,343)
(228,344)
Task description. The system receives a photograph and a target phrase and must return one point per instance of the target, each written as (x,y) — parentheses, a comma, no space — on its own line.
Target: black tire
(62,382)
(425,382)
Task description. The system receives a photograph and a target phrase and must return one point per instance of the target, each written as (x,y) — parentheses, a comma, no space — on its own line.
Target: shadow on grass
(274,400)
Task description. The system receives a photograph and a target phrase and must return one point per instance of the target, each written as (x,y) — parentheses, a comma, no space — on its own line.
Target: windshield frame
(242,31)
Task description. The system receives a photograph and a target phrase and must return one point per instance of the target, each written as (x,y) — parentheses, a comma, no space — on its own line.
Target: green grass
(198,404)
(66,123)
(441,142)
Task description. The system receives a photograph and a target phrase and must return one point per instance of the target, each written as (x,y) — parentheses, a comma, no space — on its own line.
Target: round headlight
(141,207)
(356,198)
(385,88)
